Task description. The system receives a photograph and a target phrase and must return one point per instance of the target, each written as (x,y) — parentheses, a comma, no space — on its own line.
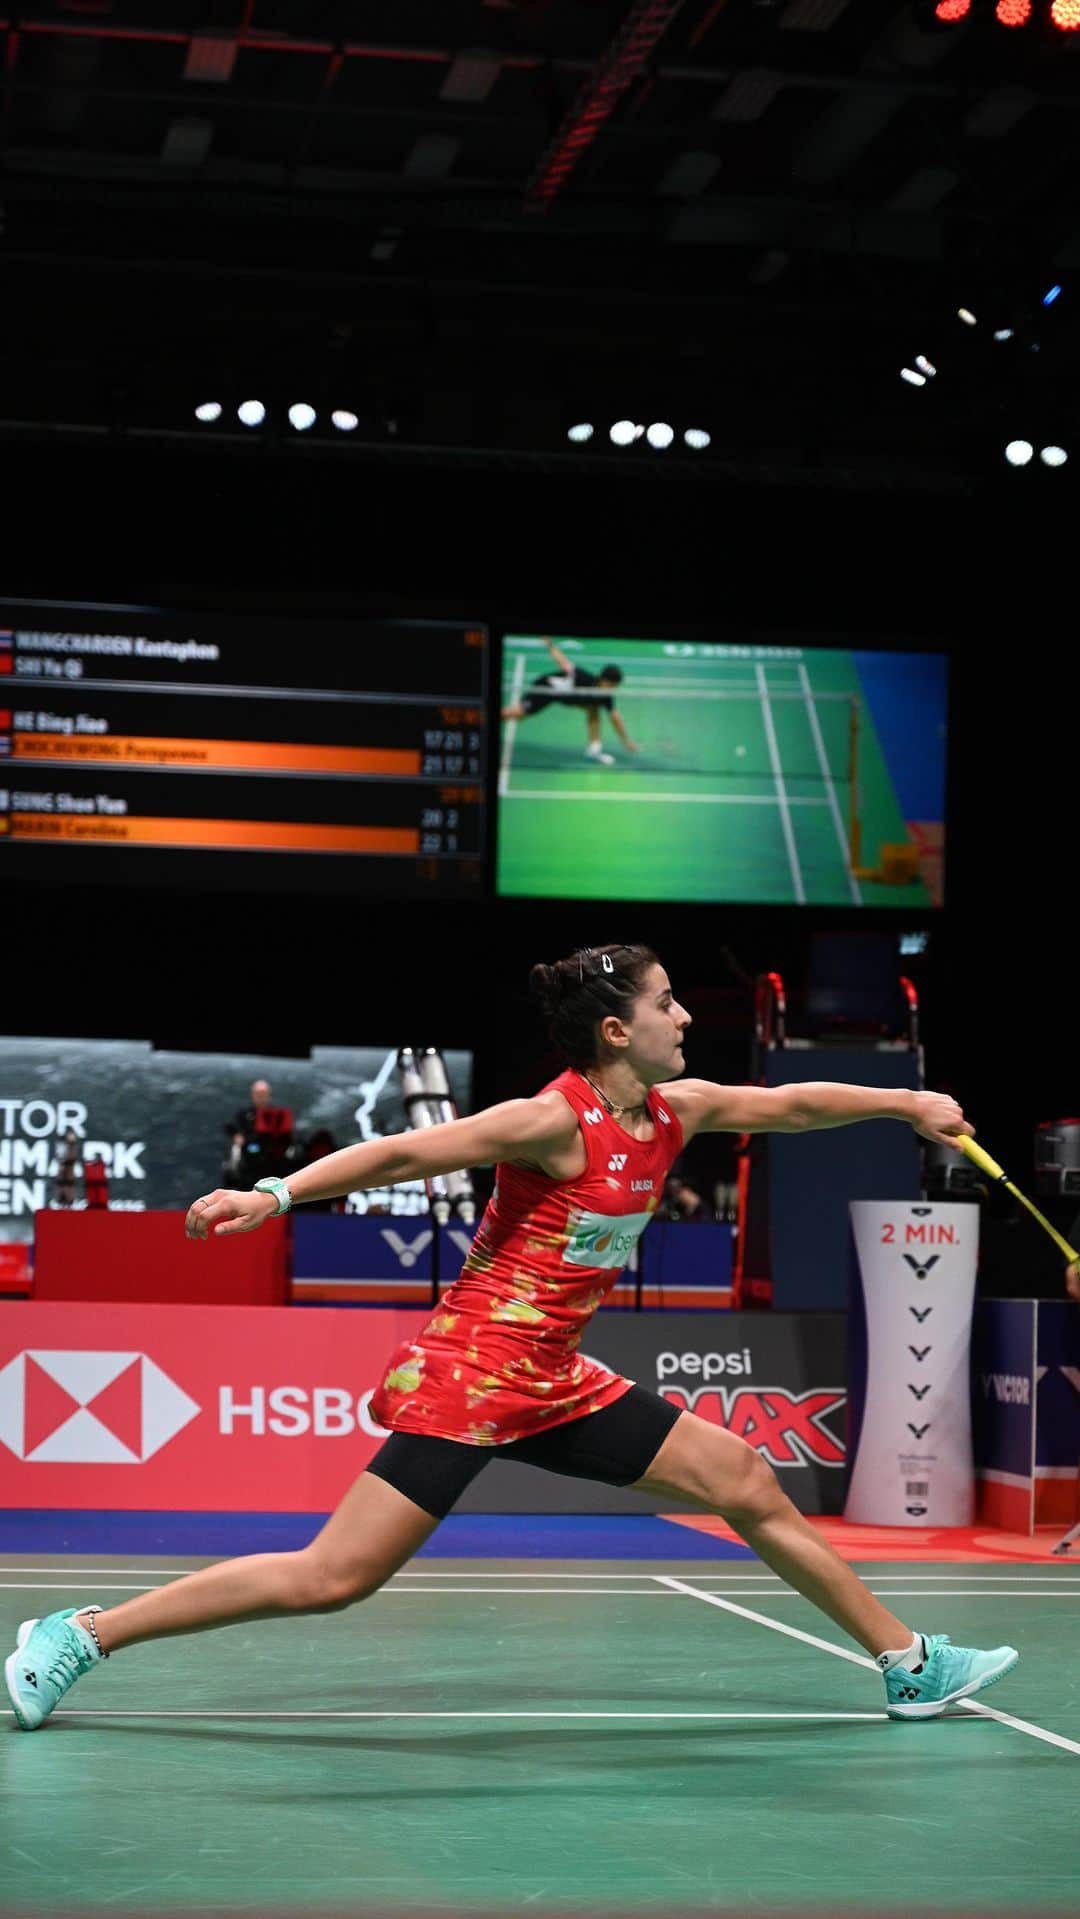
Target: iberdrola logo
(603,1239)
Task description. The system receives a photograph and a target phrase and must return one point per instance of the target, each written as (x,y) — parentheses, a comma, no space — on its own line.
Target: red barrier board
(165,1408)
(145,1257)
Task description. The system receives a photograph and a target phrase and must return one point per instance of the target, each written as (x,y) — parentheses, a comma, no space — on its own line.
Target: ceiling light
(660,435)
(251,412)
(1019,452)
(697,438)
(209,410)
(624,432)
(301,416)
(965,314)
(1053,456)
(580,433)
(909,374)
(345,421)
(925,366)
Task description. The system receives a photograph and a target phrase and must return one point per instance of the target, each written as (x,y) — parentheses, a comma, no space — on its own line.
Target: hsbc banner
(910,1364)
(157,1119)
(137,1408)
(120,1408)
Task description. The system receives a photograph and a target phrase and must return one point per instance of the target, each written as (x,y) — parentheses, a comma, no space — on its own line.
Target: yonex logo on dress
(617,1162)
(87,1408)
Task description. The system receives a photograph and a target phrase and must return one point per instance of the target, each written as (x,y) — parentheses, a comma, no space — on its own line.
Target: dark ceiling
(476,221)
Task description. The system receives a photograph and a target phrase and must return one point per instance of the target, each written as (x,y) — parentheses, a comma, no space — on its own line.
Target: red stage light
(952,10)
(1013,13)
(1065,15)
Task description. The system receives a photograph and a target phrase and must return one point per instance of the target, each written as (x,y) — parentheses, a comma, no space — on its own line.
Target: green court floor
(593,1737)
(740,791)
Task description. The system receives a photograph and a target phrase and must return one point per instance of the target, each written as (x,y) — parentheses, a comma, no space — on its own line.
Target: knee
(756,1492)
(324,1587)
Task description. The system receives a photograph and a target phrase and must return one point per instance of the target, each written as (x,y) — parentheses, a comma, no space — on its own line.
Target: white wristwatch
(280,1191)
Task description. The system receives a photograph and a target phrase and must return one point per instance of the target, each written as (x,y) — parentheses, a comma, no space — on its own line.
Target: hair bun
(544,982)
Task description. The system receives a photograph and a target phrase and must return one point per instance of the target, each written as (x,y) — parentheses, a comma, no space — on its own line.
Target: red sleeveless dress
(498,1361)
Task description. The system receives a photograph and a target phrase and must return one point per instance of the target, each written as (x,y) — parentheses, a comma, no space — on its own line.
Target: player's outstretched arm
(704,1107)
(528,1129)
(619,724)
(564,665)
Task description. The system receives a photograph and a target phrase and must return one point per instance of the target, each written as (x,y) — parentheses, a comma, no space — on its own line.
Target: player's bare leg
(374,1531)
(595,750)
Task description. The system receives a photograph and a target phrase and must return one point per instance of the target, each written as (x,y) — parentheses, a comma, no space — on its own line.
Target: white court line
(781,789)
(659,799)
(862,1659)
(568,1712)
(511,727)
(823,761)
(610,1592)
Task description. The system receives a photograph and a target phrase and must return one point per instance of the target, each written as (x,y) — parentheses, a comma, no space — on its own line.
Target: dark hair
(577,993)
(614,674)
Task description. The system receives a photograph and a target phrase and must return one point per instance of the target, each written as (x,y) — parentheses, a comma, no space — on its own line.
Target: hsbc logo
(787,1428)
(89,1409)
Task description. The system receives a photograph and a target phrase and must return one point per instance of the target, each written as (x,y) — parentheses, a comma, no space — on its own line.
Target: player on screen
(497,1369)
(572,685)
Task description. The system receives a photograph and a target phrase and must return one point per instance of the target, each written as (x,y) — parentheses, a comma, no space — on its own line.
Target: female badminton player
(580,1171)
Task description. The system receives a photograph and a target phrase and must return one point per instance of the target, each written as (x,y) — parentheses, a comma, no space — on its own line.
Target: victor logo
(920,1316)
(925,1268)
(89,1409)
(408,1251)
(920,1352)
(787,1428)
(920,1392)
(918,1430)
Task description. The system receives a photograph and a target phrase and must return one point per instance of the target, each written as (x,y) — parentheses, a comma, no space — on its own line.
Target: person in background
(683,1201)
(573,685)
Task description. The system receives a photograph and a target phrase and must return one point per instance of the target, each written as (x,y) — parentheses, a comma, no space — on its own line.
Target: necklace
(613,1107)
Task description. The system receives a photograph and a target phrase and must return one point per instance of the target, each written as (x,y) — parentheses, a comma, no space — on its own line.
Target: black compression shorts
(616,1446)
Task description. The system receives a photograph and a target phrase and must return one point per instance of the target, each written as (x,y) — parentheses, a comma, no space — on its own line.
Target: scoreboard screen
(341,754)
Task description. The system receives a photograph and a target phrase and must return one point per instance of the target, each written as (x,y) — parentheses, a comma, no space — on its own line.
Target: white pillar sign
(909,1341)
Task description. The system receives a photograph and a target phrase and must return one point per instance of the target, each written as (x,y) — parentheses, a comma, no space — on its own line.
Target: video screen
(706,771)
(137,743)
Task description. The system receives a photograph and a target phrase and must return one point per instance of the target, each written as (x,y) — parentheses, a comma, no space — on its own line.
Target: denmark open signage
(168,1408)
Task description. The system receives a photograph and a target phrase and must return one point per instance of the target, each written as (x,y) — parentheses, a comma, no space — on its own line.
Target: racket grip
(981,1158)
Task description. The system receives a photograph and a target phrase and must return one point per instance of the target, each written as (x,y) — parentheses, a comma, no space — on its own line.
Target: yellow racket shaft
(982,1159)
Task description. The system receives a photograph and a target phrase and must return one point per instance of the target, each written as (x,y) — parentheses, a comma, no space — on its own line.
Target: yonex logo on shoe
(89,1408)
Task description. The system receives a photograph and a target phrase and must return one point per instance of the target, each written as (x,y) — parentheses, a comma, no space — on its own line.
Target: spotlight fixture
(345,421)
(965,314)
(697,439)
(909,374)
(623,433)
(660,435)
(1053,455)
(301,416)
(925,366)
(1019,452)
(251,413)
(580,433)
(209,410)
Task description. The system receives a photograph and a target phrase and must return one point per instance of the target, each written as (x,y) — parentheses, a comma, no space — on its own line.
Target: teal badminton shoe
(948,1672)
(50,1654)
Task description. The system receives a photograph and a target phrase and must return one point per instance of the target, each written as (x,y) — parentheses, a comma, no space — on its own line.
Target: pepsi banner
(910,1364)
(133,1408)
